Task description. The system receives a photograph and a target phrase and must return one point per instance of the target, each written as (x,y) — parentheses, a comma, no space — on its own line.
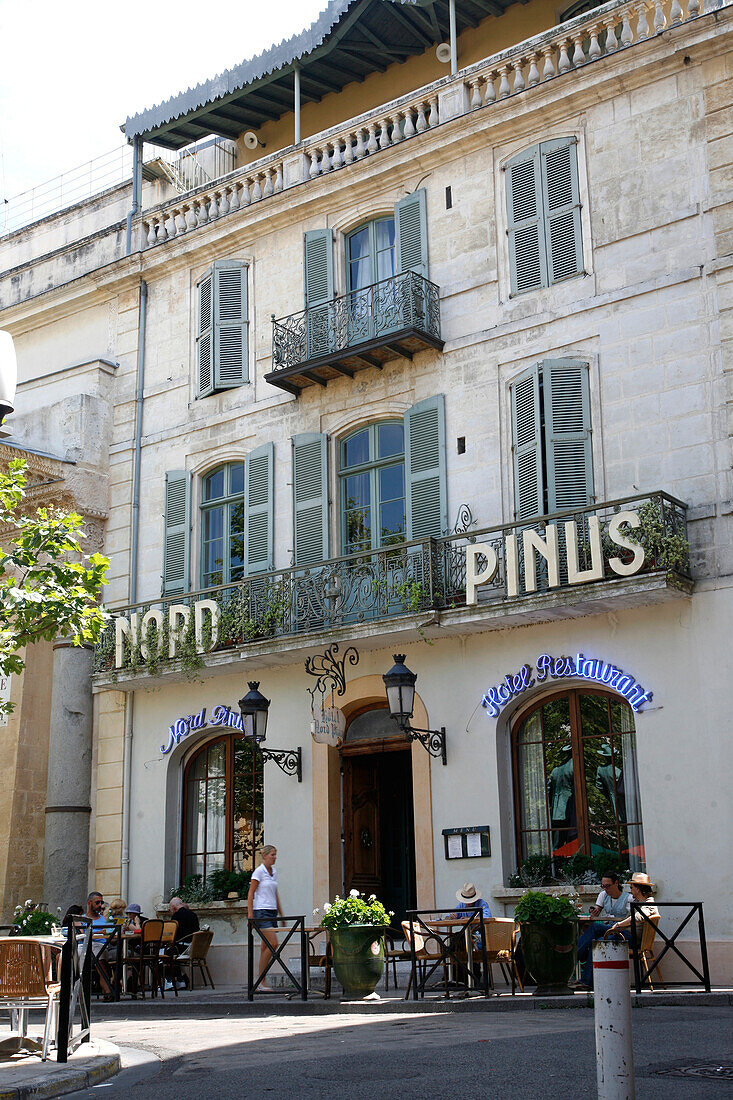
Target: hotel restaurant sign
(482,565)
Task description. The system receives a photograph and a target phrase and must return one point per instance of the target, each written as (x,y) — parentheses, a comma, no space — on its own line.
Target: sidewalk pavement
(233,1001)
(25,1076)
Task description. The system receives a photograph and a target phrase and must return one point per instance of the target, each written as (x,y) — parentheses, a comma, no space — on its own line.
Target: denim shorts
(266,918)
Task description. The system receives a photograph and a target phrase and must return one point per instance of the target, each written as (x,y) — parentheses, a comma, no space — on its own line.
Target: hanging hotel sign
(482,560)
(221,715)
(579,667)
(328,725)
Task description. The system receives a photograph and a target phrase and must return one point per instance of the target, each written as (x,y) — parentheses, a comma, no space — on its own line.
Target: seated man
(188,923)
(611,902)
(468,898)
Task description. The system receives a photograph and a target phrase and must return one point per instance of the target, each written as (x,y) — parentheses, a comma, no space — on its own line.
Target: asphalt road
(549,1055)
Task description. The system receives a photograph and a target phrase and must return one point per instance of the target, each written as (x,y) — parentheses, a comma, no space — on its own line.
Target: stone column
(66,855)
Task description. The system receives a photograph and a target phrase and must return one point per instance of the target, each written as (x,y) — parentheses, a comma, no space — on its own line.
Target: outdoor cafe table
(447,924)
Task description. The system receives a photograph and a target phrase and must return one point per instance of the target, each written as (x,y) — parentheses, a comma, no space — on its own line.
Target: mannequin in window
(561,790)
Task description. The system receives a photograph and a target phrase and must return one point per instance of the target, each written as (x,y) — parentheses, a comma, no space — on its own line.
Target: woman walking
(263,905)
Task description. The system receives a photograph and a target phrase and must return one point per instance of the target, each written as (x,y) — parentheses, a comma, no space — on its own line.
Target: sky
(71,71)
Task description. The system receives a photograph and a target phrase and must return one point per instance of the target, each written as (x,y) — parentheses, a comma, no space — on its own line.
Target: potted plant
(549,940)
(356,927)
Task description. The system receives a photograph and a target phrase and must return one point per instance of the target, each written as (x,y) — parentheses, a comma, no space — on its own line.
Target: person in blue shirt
(468,898)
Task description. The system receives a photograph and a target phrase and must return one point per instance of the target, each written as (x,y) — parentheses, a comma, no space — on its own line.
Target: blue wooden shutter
(230,324)
(318,268)
(427,505)
(177,531)
(204,337)
(526,445)
(411,233)
(527,256)
(259,510)
(310,498)
(561,200)
(567,434)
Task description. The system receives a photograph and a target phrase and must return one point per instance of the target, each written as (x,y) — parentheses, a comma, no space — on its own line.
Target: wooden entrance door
(379,835)
(363,864)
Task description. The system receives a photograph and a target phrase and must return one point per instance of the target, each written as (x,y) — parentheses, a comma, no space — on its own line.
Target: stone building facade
(517,289)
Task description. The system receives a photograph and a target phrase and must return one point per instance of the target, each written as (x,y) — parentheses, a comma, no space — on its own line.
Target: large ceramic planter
(358,958)
(550,955)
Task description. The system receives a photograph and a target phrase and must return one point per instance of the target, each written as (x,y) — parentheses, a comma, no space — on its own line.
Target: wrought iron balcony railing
(403,580)
(365,328)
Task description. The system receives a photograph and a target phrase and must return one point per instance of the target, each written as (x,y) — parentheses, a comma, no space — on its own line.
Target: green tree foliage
(47,588)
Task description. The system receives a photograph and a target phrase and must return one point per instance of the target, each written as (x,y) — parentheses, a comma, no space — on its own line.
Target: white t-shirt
(266,892)
(614,907)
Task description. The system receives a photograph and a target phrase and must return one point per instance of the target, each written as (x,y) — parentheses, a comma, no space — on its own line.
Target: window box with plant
(356,927)
(549,940)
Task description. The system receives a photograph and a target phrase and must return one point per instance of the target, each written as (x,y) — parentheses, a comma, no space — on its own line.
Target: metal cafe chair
(168,952)
(320,954)
(427,948)
(394,953)
(149,958)
(24,984)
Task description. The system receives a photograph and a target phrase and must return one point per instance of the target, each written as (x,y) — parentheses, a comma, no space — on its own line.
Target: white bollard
(612,1006)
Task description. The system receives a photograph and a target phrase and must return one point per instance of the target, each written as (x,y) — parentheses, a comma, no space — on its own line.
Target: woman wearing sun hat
(642,889)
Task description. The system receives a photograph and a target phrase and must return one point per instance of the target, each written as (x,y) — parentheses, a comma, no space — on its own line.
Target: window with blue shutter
(177,525)
(237,522)
(411,233)
(426,495)
(310,498)
(551,438)
(222,351)
(543,215)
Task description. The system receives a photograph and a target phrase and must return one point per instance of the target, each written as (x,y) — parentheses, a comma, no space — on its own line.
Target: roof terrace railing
(601,33)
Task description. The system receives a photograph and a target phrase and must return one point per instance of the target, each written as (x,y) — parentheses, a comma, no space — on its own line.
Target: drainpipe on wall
(137,168)
(134,543)
(453,47)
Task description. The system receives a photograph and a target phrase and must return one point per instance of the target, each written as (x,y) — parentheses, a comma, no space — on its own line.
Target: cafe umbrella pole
(612,1009)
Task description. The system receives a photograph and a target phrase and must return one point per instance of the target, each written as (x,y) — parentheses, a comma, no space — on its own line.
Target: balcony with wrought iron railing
(395,317)
(624,553)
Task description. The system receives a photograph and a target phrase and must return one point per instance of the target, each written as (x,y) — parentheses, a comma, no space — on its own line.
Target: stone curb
(80,1072)
(274,1006)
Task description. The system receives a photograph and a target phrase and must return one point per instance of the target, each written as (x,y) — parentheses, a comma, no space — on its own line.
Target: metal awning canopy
(348,41)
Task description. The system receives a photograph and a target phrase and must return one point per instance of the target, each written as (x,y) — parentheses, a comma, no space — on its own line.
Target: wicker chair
(646,948)
(24,984)
(427,949)
(396,949)
(195,955)
(501,935)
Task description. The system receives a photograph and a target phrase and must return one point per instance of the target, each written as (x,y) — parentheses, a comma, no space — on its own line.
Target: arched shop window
(576,784)
(223,807)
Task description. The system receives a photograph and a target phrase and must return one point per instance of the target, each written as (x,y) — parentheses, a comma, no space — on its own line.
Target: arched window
(370,253)
(222,525)
(372,475)
(576,785)
(223,807)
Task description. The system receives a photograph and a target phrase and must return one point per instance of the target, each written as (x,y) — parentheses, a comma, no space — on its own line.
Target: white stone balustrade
(597,34)
(372,137)
(191,211)
(569,47)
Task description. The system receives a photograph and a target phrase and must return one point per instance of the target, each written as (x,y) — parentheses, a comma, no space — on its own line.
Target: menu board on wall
(467,842)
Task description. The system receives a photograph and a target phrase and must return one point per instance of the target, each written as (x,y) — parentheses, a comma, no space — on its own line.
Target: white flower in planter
(353,893)
(326,906)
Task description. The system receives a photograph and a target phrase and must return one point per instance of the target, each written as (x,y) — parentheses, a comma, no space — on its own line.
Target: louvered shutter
(567,434)
(310,498)
(411,233)
(204,336)
(318,267)
(561,197)
(230,324)
(427,506)
(527,256)
(177,529)
(259,509)
(526,445)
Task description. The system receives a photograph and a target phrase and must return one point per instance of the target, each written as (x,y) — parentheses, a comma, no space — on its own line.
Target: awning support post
(296,92)
(453,46)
